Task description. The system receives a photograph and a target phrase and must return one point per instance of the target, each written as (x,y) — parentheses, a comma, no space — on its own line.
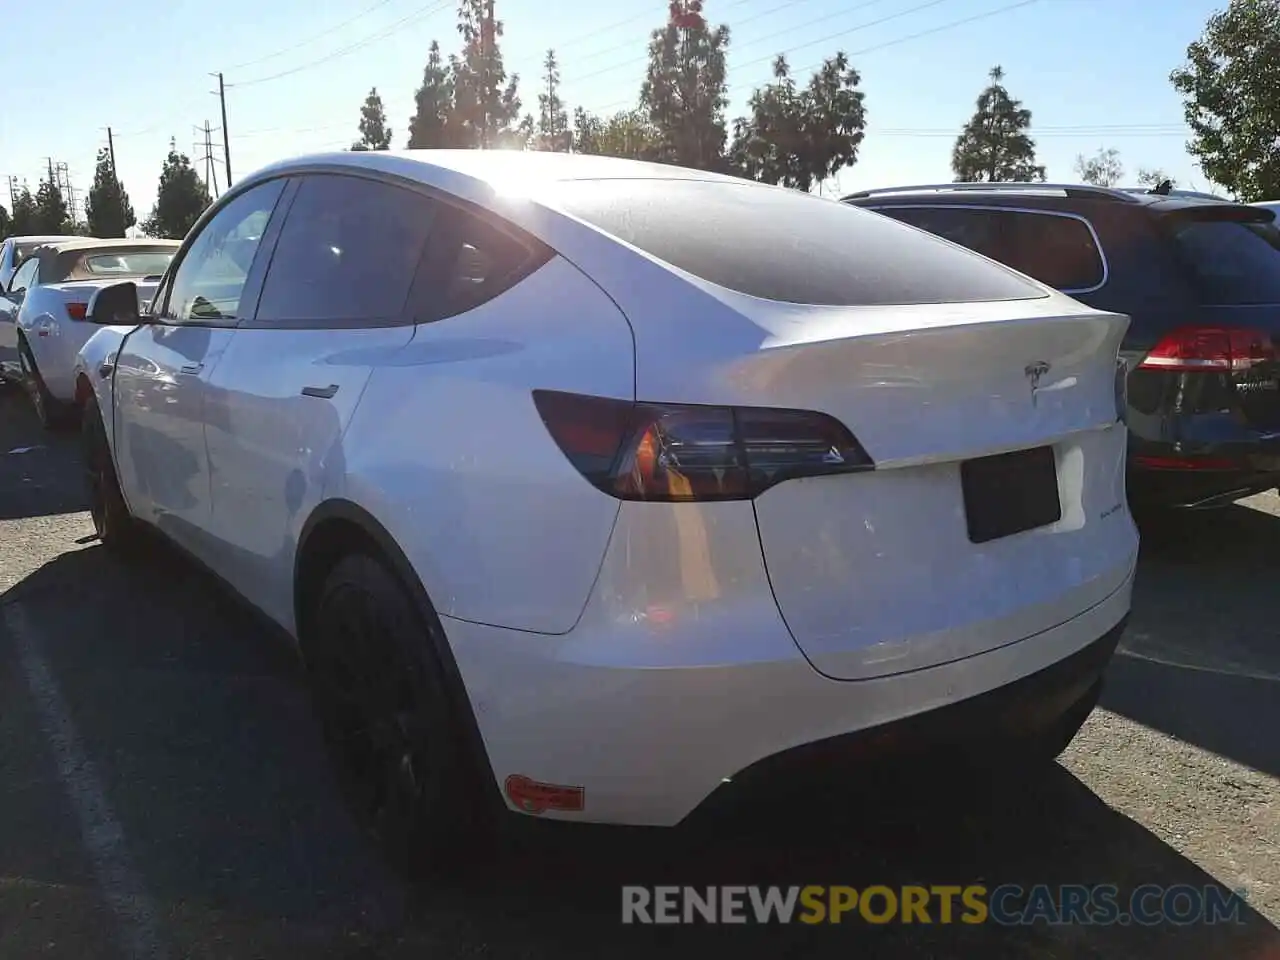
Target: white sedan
(46,301)
(585,485)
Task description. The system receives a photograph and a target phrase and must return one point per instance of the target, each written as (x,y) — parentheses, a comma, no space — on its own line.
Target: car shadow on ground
(205,744)
(1204,632)
(40,472)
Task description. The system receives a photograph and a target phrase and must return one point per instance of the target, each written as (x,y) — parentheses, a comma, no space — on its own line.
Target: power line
(862,26)
(313,39)
(857,53)
(420,14)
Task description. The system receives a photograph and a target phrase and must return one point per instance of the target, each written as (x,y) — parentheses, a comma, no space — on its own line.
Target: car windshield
(1234,262)
(786,245)
(140,263)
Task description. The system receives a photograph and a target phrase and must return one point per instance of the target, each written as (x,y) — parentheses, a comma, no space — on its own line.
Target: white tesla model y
(585,484)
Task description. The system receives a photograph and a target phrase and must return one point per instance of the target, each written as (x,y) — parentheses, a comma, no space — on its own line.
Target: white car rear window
(788,246)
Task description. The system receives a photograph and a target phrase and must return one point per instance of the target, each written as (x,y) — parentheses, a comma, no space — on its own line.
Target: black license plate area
(1009,493)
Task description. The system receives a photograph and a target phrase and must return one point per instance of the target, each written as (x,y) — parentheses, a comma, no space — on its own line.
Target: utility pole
(212,170)
(13,193)
(226,137)
(486,51)
(115,176)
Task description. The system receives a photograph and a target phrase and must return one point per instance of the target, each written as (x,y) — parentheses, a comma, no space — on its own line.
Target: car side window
(210,279)
(348,252)
(25,277)
(1059,251)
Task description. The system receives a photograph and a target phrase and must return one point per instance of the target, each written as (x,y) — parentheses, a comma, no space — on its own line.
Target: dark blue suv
(1200,278)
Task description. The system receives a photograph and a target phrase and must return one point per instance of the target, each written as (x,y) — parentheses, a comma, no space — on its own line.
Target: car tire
(384,708)
(116,527)
(49,411)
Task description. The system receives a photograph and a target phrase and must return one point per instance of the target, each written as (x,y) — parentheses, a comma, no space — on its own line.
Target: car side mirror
(116,306)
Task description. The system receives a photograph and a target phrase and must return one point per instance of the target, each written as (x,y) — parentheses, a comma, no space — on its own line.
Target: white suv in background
(586,484)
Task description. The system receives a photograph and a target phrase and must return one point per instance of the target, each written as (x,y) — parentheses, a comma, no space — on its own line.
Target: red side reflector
(77,311)
(1185,463)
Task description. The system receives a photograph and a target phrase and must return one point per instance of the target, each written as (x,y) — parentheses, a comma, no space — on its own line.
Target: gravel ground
(158,764)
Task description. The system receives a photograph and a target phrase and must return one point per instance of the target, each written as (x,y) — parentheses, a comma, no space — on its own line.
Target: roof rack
(1065,189)
(1174,192)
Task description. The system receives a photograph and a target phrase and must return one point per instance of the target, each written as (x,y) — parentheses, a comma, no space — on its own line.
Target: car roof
(27,241)
(482,176)
(1013,194)
(68,245)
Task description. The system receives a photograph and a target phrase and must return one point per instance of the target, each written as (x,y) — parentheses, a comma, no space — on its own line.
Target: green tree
(52,216)
(994,145)
(430,125)
(553,118)
(800,137)
(684,93)
(627,134)
(1103,169)
(374,132)
(5,222)
(107,208)
(180,199)
(486,106)
(1153,177)
(1230,85)
(26,218)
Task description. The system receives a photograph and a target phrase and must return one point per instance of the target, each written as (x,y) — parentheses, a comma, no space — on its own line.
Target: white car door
(334,305)
(10,303)
(162,367)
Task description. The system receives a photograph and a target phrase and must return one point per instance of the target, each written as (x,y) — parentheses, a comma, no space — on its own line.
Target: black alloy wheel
(387,723)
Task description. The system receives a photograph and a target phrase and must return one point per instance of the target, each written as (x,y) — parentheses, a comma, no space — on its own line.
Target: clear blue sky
(1093,72)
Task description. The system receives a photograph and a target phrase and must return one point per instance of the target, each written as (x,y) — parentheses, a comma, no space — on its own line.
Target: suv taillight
(1193,349)
(682,452)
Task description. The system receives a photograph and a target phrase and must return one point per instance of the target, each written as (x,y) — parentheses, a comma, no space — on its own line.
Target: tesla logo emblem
(1034,372)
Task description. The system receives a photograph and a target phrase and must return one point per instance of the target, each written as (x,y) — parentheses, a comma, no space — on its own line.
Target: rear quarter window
(1232,262)
(787,246)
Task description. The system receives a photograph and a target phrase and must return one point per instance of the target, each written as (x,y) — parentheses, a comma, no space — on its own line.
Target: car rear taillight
(77,311)
(1193,349)
(683,452)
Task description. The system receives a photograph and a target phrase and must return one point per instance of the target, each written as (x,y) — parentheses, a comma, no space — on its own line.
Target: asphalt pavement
(163,791)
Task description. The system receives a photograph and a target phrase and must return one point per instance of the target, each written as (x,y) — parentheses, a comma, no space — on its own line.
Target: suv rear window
(1233,262)
(1060,251)
(785,245)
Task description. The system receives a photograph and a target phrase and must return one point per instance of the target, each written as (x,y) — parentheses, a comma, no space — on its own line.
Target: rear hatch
(1231,255)
(996,507)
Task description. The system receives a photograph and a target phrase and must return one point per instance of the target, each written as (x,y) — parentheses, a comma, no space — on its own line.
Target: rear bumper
(977,727)
(645,720)
(1206,475)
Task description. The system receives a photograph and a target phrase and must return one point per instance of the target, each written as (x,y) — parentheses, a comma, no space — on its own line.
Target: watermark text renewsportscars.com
(1005,904)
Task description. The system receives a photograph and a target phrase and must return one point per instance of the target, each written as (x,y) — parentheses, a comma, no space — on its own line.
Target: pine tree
(486,104)
(994,145)
(374,132)
(26,218)
(180,199)
(684,93)
(430,126)
(553,119)
(51,212)
(799,138)
(107,208)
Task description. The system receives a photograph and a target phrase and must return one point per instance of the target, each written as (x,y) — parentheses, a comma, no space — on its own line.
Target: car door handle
(324,393)
(191,368)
